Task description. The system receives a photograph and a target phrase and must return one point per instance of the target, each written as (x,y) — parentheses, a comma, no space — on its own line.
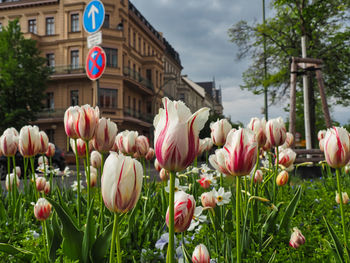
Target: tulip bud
(121,182)
(96,159)
(219,131)
(177,134)
(150,154)
(9,142)
(40,183)
(42,159)
(258,177)
(258,127)
(70,119)
(321,134)
(345,198)
(200,254)
(29,141)
(115,146)
(276,131)
(208,199)
(44,142)
(337,147)
(18,171)
(126,142)
(164,175)
(50,150)
(93,176)
(12,177)
(240,152)
(105,134)
(87,121)
(157,165)
(47,188)
(289,140)
(184,206)
(267,147)
(205,145)
(296,238)
(142,145)
(287,157)
(42,209)
(282,178)
(217,160)
(81,147)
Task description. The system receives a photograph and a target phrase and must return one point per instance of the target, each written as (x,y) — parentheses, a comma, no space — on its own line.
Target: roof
(208,86)
(195,86)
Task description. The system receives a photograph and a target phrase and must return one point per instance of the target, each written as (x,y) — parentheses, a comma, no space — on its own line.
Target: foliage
(23,78)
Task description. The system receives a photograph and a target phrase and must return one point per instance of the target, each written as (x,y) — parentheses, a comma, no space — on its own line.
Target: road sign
(94,16)
(95,63)
(94,39)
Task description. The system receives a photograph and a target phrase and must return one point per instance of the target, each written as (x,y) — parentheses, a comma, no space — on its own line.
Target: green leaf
(89,234)
(56,240)
(16,252)
(72,237)
(270,223)
(336,241)
(288,214)
(102,244)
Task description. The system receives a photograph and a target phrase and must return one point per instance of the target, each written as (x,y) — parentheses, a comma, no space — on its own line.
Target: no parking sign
(95,63)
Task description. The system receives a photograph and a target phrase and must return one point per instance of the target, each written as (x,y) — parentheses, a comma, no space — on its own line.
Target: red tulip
(296,238)
(29,141)
(47,188)
(40,183)
(50,150)
(287,157)
(259,128)
(336,147)
(87,121)
(70,119)
(126,142)
(142,145)
(42,209)
(276,131)
(200,254)
(150,154)
(105,133)
(217,160)
(219,131)
(9,142)
(81,147)
(208,199)
(282,178)
(44,142)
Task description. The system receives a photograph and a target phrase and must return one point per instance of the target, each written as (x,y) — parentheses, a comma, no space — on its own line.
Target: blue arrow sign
(94,16)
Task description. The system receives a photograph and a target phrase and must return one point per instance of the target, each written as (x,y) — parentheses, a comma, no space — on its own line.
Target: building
(191,93)
(213,98)
(129,91)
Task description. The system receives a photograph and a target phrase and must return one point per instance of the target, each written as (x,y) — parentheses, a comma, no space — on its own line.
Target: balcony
(68,71)
(135,76)
(52,114)
(146,117)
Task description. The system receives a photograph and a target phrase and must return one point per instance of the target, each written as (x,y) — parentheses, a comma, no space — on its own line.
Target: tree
(23,78)
(323,23)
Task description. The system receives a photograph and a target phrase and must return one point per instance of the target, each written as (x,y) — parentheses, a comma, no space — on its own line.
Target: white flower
(75,185)
(192,169)
(67,172)
(178,187)
(222,197)
(205,168)
(197,218)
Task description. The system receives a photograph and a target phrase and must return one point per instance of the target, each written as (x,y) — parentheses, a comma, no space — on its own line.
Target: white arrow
(92,12)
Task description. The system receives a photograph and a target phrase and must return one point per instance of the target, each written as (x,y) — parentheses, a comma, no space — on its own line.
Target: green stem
(195,162)
(275,175)
(78,180)
(115,240)
(25,164)
(46,240)
(342,212)
(51,174)
(14,179)
(88,171)
(33,178)
(170,255)
(252,186)
(100,194)
(238,232)
(206,157)
(211,215)
(8,178)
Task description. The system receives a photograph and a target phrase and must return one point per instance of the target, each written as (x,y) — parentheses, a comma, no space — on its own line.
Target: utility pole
(265,68)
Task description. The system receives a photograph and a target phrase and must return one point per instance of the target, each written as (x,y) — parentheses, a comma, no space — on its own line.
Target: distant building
(191,93)
(213,96)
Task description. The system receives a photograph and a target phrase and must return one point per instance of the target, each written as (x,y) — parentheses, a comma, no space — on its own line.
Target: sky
(197,29)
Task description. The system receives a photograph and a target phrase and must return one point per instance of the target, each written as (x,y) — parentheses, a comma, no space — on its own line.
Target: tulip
(177,134)
(42,209)
(219,131)
(267,147)
(258,127)
(321,145)
(321,134)
(205,145)
(9,142)
(7,181)
(276,131)
(104,138)
(200,254)
(126,142)
(81,147)
(287,157)
(164,175)
(121,182)
(70,119)
(208,199)
(44,142)
(47,188)
(41,160)
(18,171)
(93,177)
(258,177)
(142,145)
(289,140)
(96,159)
(150,154)
(217,160)
(184,206)
(87,121)
(240,152)
(50,150)
(282,178)
(29,141)
(157,165)
(337,147)
(345,198)
(296,238)
(40,183)
(115,145)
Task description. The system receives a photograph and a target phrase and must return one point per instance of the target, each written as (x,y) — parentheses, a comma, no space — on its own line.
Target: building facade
(129,92)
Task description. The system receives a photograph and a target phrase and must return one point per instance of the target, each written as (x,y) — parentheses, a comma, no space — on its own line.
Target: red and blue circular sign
(95,63)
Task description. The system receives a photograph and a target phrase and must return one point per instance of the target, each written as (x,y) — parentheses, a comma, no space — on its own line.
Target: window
(50,134)
(108,98)
(74,97)
(111,57)
(129,102)
(75,22)
(149,74)
(74,59)
(106,21)
(50,58)
(140,106)
(144,48)
(50,102)
(134,105)
(50,26)
(32,26)
(134,40)
(182,97)
(139,44)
